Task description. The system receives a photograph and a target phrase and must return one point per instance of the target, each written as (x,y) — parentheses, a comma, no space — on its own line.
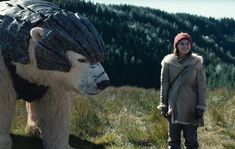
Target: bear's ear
(37,33)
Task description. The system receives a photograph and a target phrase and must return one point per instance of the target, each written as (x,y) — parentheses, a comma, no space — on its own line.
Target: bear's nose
(103,84)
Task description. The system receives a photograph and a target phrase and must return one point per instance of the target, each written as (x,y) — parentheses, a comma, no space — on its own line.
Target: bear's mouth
(91,93)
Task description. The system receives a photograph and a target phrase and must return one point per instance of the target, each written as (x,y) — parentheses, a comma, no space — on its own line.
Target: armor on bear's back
(17,17)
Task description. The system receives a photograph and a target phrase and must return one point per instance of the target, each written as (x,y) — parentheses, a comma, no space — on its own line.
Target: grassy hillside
(127,118)
(137,39)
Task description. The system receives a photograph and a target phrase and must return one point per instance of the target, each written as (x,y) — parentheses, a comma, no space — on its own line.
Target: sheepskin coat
(187,93)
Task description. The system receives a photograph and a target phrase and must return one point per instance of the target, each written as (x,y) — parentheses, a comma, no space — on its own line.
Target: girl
(183,93)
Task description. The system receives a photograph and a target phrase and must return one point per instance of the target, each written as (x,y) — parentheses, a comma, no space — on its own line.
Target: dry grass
(127,118)
(219,130)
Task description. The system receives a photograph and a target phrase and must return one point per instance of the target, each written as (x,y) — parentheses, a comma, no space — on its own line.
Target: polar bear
(45,52)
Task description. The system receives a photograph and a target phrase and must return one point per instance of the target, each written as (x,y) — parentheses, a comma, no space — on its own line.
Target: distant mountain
(137,39)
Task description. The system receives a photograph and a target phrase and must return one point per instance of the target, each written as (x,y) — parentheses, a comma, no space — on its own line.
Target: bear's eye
(82,60)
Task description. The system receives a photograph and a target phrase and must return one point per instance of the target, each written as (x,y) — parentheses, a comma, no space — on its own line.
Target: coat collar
(172,59)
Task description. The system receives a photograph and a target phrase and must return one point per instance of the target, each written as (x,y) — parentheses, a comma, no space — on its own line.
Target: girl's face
(184,47)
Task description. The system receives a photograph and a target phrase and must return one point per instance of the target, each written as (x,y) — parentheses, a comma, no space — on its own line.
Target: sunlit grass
(127,118)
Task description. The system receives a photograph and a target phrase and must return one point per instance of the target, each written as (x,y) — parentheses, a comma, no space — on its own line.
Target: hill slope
(127,118)
(137,39)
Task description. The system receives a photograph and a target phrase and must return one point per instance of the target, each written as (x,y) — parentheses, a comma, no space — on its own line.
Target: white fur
(54,120)
(37,33)
(172,59)
(52,111)
(7,105)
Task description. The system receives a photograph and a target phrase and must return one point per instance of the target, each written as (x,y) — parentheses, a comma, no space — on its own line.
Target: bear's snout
(103,84)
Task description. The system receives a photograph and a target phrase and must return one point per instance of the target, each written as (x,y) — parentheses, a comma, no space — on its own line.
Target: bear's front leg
(7,110)
(32,126)
(7,105)
(53,113)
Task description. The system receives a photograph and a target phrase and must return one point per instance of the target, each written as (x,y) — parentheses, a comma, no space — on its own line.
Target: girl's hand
(164,112)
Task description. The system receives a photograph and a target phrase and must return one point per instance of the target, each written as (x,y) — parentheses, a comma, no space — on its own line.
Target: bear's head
(53,47)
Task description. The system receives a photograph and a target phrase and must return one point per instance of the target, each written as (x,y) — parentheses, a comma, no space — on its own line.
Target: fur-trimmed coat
(187,93)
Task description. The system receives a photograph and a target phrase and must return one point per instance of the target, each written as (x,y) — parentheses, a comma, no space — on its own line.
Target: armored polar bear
(45,52)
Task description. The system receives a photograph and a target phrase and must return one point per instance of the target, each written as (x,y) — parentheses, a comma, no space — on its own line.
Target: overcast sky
(213,8)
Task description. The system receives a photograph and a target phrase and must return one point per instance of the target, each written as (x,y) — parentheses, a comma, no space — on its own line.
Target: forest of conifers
(137,39)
